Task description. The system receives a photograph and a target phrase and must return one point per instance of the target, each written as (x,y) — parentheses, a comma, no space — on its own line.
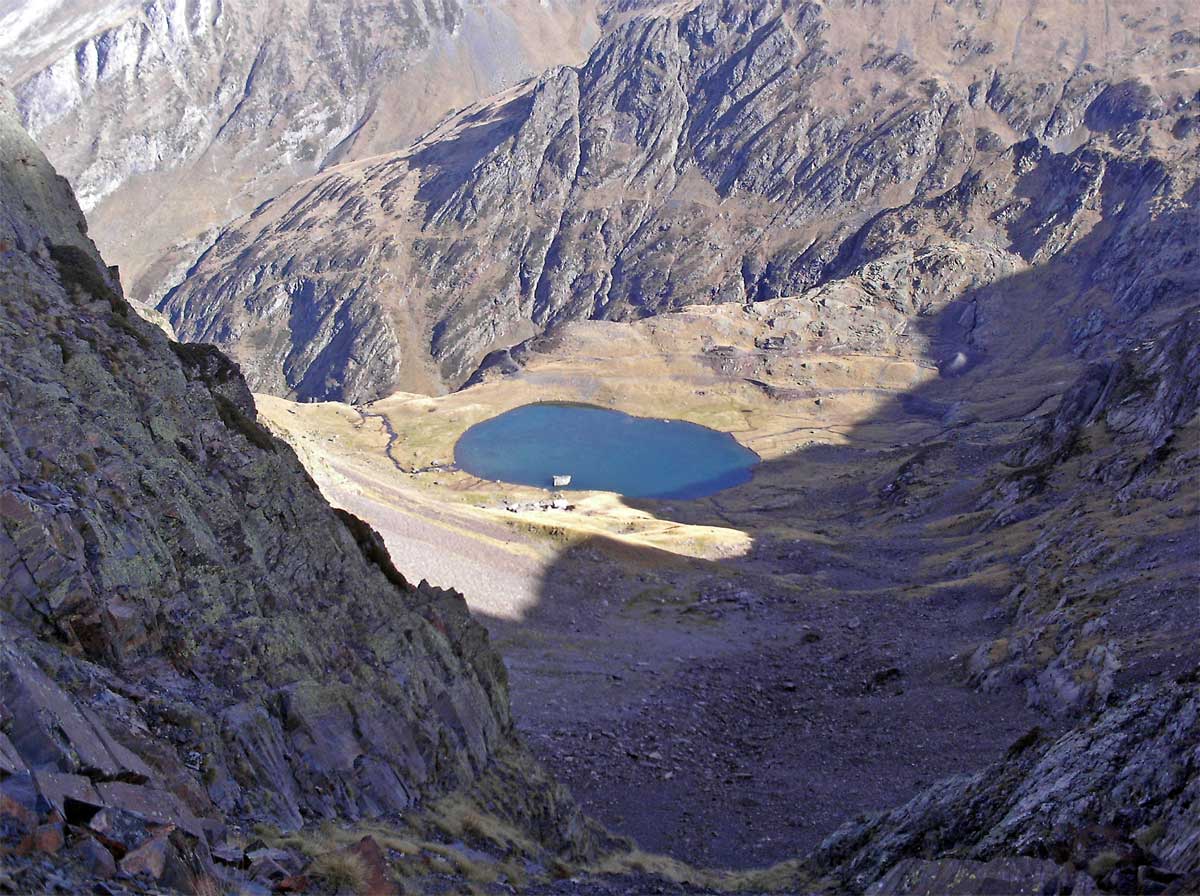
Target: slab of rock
(94,857)
(59,789)
(266,868)
(10,759)
(229,855)
(174,574)
(46,838)
(52,731)
(123,832)
(158,806)
(19,797)
(149,859)
(954,877)
(378,883)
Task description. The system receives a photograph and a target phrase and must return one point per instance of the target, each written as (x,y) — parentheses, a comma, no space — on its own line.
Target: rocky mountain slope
(713,151)
(172,117)
(193,642)
(963,326)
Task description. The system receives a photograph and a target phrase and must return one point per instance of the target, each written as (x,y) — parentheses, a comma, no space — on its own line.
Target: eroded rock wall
(189,634)
(171,117)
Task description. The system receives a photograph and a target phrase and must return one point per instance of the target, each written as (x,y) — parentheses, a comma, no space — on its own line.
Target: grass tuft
(340,872)
(1102,863)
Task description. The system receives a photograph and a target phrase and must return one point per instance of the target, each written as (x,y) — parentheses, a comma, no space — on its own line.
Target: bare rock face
(171,117)
(190,637)
(1112,803)
(1104,598)
(710,151)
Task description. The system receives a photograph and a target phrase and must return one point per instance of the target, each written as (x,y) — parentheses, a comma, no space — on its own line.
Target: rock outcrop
(1112,804)
(191,639)
(172,117)
(713,151)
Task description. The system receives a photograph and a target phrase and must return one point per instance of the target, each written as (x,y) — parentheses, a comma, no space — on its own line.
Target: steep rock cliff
(190,635)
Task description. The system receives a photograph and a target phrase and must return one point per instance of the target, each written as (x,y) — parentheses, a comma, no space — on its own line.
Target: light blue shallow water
(604,450)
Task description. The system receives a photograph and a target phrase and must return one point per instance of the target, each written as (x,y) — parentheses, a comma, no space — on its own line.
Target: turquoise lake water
(603,450)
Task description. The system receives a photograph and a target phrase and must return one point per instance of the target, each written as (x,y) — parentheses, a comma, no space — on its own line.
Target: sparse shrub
(77,269)
(474,826)
(233,418)
(514,874)
(204,885)
(1102,863)
(1148,836)
(339,872)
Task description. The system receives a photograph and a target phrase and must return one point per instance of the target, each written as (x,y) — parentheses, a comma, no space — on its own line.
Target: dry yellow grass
(340,871)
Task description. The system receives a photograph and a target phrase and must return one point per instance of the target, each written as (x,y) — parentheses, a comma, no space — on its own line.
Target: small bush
(1148,836)
(78,269)
(233,418)
(205,885)
(1102,863)
(340,871)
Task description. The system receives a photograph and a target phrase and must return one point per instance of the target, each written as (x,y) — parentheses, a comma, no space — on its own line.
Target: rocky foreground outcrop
(191,640)
(711,151)
(1111,805)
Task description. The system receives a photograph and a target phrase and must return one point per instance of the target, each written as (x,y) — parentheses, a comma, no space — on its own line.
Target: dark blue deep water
(604,450)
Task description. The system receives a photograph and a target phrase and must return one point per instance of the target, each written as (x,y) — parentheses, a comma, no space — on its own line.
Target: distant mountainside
(707,151)
(172,117)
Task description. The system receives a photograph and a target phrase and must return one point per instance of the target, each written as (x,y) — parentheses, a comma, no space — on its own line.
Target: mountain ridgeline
(713,151)
(172,117)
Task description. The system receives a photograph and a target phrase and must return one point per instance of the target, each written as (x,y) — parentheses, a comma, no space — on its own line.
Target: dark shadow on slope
(481,132)
(734,713)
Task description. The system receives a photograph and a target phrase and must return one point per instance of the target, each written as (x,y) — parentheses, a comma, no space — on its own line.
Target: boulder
(94,857)
(123,832)
(72,795)
(10,759)
(265,868)
(45,838)
(19,797)
(52,731)
(158,806)
(378,882)
(229,855)
(150,859)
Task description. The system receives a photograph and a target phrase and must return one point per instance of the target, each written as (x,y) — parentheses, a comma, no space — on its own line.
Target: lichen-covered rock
(190,637)
(954,877)
(1086,613)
